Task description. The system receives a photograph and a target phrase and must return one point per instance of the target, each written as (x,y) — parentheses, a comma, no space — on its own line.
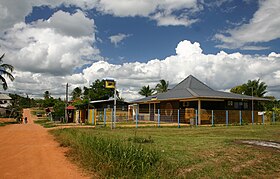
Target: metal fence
(179,117)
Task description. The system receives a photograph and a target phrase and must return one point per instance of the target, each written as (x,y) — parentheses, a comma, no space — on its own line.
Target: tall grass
(45,123)
(201,152)
(110,157)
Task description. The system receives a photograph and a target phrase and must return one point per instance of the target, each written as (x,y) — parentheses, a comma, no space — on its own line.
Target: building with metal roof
(192,94)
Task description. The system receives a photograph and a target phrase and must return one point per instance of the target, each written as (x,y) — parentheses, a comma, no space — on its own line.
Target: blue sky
(147,40)
(80,41)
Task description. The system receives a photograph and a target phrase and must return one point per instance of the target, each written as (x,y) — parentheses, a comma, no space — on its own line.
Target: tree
(76,93)
(238,89)
(259,88)
(5,70)
(146,91)
(97,91)
(47,95)
(162,86)
(59,109)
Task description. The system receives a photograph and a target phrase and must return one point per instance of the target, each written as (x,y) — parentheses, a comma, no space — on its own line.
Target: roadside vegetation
(7,123)
(210,152)
(45,123)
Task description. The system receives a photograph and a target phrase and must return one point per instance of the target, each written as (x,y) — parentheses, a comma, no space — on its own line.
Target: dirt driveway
(28,151)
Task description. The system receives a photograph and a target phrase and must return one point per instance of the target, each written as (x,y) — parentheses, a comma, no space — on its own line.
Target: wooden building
(195,99)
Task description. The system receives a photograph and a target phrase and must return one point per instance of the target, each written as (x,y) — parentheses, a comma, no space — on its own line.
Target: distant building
(5,102)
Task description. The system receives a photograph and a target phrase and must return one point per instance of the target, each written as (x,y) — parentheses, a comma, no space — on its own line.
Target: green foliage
(45,123)
(203,152)
(81,103)
(146,91)
(49,102)
(8,123)
(109,157)
(47,95)
(162,86)
(97,91)
(5,70)
(76,93)
(238,89)
(272,104)
(255,87)
(59,108)
(18,103)
(141,140)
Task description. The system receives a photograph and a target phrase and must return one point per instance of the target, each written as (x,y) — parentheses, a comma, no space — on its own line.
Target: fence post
(92,117)
(263,118)
(158,118)
(136,118)
(104,117)
(252,117)
(95,117)
(212,115)
(226,117)
(178,118)
(240,118)
(196,117)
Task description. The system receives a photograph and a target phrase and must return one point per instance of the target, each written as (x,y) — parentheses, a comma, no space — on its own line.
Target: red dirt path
(28,151)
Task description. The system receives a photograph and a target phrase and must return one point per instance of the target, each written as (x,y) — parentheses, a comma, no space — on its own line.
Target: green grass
(202,152)
(35,111)
(45,123)
(7,123)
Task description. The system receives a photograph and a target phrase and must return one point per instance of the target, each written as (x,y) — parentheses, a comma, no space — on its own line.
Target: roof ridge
(192,83)
(192,92)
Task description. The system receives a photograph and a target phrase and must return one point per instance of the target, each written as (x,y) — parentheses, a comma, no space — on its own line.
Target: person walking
(25,120)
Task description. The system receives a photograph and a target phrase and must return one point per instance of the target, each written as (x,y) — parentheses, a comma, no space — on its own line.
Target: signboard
(110,84)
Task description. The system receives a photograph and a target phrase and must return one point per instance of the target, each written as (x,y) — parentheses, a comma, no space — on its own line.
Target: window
(230,103)
(236,105)
(246,105)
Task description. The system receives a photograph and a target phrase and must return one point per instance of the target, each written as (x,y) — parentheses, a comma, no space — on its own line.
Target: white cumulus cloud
(263,27)
(116,39)
(50,46)
(12,12)
(220,71)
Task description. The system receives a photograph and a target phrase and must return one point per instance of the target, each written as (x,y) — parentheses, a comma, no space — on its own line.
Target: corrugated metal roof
(191,87)
(4,97)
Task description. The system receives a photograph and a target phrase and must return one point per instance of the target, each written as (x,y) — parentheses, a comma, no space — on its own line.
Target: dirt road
(28,151)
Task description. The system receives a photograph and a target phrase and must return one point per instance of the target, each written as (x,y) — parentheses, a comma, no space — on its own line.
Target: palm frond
(1,58)
(4,83)
(7,66)
(5,73)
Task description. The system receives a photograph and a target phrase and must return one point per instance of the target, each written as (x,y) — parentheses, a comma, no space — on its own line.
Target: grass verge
(45,123)
(110,157)
(202,152)
(7,123)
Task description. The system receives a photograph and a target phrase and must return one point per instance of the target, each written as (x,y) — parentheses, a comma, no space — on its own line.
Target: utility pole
(252,106)
(115,105)
(66,103)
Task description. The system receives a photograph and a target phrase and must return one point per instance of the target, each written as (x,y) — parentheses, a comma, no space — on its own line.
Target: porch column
(199,112)
(149,111)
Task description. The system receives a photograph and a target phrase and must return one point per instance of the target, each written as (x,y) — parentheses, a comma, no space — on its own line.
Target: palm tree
(146,91)
(162,86)
(5,70)
(47,95)
(258,88)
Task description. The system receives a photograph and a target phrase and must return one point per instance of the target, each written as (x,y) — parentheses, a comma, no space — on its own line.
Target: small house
(193,99)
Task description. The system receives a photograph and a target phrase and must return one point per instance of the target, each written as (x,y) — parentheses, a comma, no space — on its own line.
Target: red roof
(70,107)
